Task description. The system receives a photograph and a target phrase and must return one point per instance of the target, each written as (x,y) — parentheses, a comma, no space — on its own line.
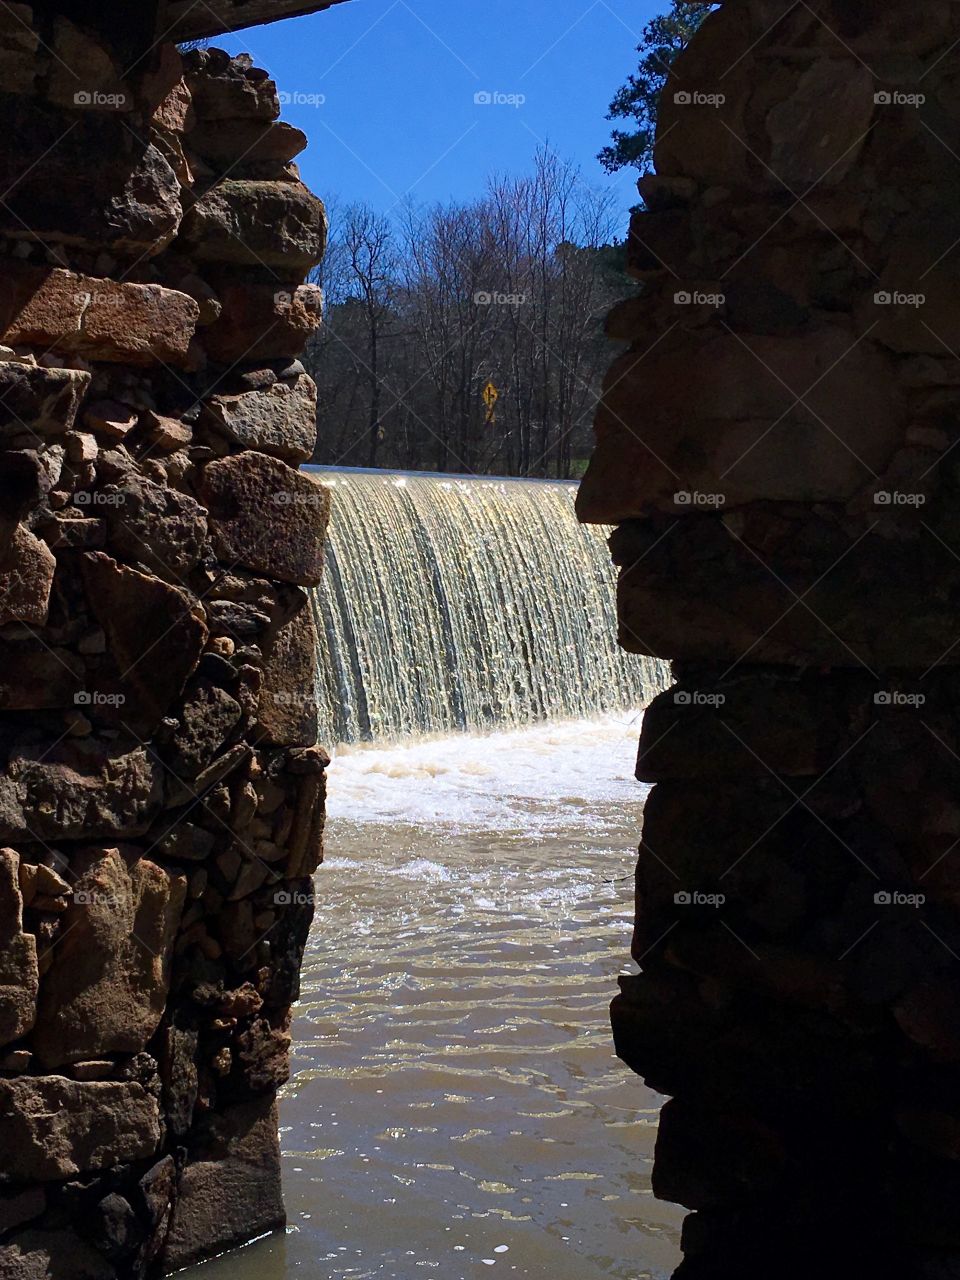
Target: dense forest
(469,337)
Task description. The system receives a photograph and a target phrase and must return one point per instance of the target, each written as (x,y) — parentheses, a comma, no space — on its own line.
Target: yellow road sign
(490,397)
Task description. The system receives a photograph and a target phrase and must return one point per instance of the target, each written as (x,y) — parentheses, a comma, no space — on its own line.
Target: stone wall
(161,790)
(779,449)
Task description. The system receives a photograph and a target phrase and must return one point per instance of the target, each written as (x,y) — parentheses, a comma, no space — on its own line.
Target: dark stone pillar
(161,786)
(779,447)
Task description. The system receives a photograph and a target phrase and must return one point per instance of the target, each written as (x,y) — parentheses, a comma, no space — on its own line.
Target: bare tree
(423,318)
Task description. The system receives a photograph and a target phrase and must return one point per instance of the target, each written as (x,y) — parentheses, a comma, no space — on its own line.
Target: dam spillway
(464,603)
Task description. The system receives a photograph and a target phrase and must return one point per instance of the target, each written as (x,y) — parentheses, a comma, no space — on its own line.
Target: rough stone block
(26,578)
(229,1191)
(54,788)
(208,718)
(19,46)
(701,139)
(155,633)
(98,319)
(154,525)
(705,1160)
(229,93)
(83,74)
(750,725)
(249,223)
(736,432)
(107,986)
(127,200)
(43,1255)
(33,399)
(262,321)
(19,976)
(818,132)
(280,420)
(236,143)
(53,1128)
(288,712)
(238,492)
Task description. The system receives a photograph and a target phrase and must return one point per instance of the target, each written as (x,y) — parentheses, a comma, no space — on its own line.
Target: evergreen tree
(638,100)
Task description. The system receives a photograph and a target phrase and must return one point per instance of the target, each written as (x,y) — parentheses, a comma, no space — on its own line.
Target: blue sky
(385,90)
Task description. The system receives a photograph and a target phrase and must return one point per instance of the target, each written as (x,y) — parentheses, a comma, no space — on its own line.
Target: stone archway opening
(785,535)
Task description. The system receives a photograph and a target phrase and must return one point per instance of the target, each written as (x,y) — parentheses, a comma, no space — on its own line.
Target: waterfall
(453,603)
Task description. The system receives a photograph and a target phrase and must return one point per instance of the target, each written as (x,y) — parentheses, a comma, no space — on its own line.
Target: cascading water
(456,1108)
(451,604)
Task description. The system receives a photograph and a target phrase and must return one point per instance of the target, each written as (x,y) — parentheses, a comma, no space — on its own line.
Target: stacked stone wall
(161,786)
(779,448)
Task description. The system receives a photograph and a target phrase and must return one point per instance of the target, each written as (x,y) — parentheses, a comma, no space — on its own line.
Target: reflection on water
(456,1108)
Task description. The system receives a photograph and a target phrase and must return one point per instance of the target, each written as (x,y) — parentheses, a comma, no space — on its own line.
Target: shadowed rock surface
(778,448)
(161,821)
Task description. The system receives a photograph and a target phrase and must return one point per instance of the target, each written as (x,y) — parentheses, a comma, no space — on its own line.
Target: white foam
(535,779)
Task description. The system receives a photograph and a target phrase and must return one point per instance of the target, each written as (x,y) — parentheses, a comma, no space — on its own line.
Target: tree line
(468,337)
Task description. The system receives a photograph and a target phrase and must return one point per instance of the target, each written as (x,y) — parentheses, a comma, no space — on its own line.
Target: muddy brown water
(456,1108)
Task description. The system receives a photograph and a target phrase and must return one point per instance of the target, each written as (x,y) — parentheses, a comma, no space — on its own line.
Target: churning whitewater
(465,604)
(454,1084)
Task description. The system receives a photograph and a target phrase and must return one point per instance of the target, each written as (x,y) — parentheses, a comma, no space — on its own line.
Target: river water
(456,1108)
